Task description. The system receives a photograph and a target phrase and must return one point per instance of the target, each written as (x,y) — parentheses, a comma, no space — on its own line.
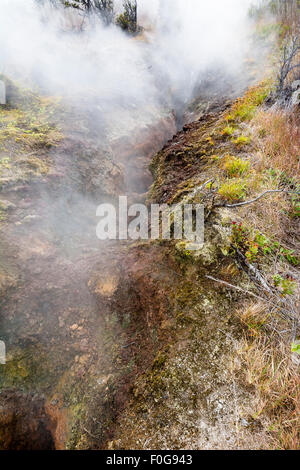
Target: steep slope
(227,378)
(147,344)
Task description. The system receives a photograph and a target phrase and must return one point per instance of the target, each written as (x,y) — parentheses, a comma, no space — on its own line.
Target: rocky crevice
(108,337)
(66,347)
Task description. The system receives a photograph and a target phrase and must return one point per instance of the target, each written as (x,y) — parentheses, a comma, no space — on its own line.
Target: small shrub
(242,140)
(128,19)
(264,243)
(295,348)
(228,131)
(233,190)
(295,212)
(287,286)
(235,166)
(241,239)
(245,108)
(288,255)
(252,253)
(238,234)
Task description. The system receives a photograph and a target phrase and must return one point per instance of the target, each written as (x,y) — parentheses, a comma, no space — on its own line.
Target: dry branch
(269,191)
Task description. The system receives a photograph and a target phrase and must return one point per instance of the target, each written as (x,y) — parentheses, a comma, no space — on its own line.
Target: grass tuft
(245,108)
(235,166)
(228,131)
(278,138)
(274,376)
(242,140)
(233,190)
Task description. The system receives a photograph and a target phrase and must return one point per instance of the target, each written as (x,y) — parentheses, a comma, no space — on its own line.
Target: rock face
(295,93)
(135,151)
(65,337)
(2,92)
(2,353)
(24,423)
(188,398)
(295,85)
(117,345)
(295,100)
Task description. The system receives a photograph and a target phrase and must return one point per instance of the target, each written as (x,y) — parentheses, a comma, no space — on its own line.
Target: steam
(186,38)
(200,35)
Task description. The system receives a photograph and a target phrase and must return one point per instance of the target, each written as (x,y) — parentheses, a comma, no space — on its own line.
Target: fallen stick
(235,287)
(270,191)
(254,271)
(284,313)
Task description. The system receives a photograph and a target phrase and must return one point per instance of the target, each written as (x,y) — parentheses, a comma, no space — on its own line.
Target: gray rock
(295,85)
(295,100)
(2,353)
(2,92)
(245,423)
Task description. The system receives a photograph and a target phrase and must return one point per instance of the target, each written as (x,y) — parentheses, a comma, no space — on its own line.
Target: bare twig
(291,48)
(270,191)
(245,291)
(281,310)
(253,270)
(130,344)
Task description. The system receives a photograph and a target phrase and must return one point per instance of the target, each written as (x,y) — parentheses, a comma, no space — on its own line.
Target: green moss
(26,130)
(25,367)
(75,435)
(159,361)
